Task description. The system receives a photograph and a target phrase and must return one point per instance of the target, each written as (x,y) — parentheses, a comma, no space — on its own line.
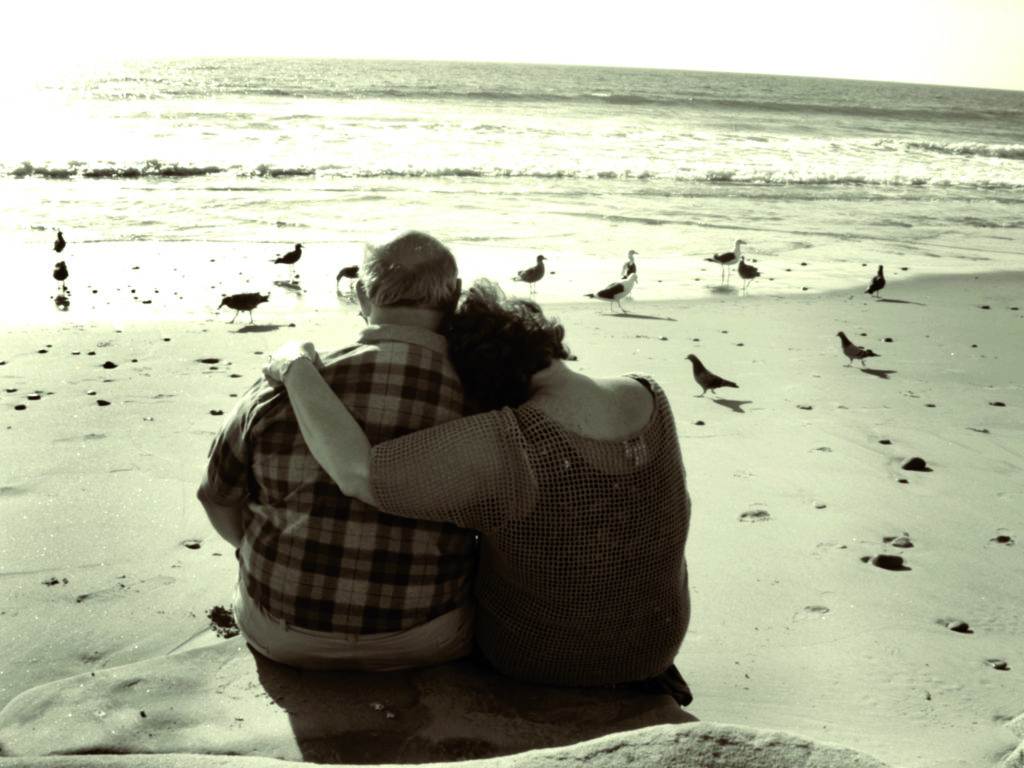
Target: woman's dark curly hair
(496,344)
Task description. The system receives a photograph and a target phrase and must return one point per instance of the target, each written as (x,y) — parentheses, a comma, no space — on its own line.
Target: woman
(575,484)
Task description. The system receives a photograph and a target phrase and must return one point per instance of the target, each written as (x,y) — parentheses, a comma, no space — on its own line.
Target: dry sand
(106,558)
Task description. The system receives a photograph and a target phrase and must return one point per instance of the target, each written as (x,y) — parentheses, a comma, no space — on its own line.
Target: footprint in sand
(902,541)
(755,516)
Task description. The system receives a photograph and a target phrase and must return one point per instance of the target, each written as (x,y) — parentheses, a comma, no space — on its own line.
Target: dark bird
(350,274)
(59,243)
(533,274)
(615,292)
(706,379)
(877,283)
(729,258)
(629,268)
(748,272)
(290,258)
(60,274)
(854,352)
(243,302)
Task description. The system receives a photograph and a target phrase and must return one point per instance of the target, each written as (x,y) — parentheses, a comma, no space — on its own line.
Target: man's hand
(281,359)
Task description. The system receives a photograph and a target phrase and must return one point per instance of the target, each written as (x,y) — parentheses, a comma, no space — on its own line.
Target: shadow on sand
(881,373)
(733,405)
(903,301)
(639,317)
(726,288)
(259,328)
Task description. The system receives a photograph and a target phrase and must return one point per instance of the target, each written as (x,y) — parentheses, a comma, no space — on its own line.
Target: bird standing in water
(706,379)
(728,258)
(60,274)
(290,258)
(60,242)
(629,268)
(243,302)
(350,274)
(852,351)
(747,272)
(877,283)
(531,275)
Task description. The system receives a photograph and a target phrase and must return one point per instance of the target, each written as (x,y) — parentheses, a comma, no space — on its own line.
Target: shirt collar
(407,334)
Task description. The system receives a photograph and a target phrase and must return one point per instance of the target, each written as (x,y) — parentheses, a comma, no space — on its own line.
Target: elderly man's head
(414,271)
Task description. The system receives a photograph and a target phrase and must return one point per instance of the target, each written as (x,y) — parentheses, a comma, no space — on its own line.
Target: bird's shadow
(734,405)
(258,328)
(723,289)
(639,317)
(882,373)
(903,301)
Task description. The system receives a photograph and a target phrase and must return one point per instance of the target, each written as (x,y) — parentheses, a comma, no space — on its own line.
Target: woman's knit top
(582,577)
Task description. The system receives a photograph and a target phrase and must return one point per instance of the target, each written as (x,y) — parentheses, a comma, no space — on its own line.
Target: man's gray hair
(413,270)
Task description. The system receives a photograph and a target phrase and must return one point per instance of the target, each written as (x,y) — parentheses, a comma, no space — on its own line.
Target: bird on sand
(748,272)
(60,274)
(728,258)
(290,258)
(629,268)
(243,302)
(706,379)
(615,292)
(533,274)
(854,352)
(60,242)
(877,283)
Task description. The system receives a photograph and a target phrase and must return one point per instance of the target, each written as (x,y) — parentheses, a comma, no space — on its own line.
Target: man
(326,581)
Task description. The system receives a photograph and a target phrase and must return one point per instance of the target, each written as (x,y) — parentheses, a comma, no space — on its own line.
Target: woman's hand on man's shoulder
(281,359)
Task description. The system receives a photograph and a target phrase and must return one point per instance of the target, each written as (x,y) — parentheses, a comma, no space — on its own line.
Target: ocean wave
(722,175)
(970,149)
(150,168)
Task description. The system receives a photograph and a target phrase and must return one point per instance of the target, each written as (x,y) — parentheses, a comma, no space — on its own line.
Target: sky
(950,42)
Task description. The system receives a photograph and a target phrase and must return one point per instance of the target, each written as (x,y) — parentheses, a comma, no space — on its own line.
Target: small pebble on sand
(999,664)
(998,403)
(102,402)
(885,441)
(956,625)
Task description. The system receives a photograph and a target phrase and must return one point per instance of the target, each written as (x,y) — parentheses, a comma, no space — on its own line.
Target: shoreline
(791,484)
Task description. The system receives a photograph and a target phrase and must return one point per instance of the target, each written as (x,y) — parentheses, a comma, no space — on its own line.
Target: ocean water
(238,159)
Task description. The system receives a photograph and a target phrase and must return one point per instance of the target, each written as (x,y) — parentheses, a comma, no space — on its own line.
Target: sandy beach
(796,479)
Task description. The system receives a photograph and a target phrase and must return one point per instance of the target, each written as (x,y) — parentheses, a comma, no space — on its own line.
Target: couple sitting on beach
(447,486)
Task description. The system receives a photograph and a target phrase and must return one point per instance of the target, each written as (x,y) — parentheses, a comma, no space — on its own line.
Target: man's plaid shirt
(314,557)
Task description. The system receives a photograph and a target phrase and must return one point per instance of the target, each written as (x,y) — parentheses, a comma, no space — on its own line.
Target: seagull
(728,258)
(60,273)
(59,243)
(706,379)
(616,292)
(748,272)
(533,274)
(350,274)
(629,268)
(243,302)
(854,352)
(877,283)
(290,258)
